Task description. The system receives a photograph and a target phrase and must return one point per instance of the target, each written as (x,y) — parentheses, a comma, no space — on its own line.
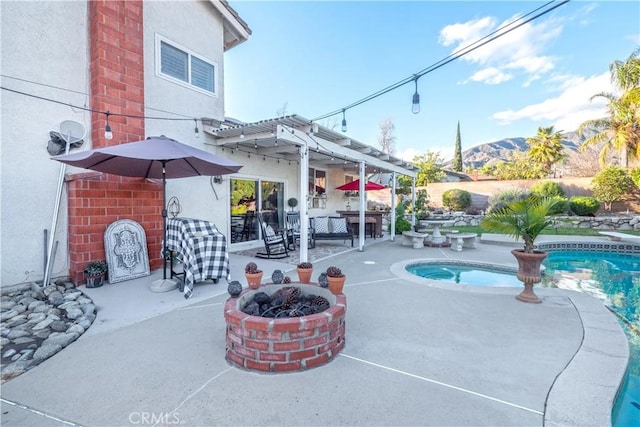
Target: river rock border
(37,323)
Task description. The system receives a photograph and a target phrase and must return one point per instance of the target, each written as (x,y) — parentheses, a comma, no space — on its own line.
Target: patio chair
(275,242)
(247,227)
(292,223)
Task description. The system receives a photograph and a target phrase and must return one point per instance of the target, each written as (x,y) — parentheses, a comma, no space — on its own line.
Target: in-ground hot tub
(285,344)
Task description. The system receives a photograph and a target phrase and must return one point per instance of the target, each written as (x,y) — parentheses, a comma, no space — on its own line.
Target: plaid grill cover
(201,249)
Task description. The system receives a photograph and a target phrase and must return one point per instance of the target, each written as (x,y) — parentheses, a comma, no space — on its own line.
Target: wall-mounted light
(344,122)
(415,104)
(107,129)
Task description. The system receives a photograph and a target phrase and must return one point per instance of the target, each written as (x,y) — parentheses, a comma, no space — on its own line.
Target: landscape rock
(34,327)
(74,313)
(45,351)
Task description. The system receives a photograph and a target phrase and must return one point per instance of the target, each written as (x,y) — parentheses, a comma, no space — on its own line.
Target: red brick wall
(117,85)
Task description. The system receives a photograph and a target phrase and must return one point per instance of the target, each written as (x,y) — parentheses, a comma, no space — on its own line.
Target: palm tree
(620,130)
(545,149)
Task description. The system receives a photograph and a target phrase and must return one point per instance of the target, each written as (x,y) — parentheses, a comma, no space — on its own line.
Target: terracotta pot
(254,279)
(336,284)
(529,272)
(304,275)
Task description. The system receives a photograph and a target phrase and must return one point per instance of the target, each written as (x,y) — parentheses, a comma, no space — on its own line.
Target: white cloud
(490,75)
(570,108)
(519,50)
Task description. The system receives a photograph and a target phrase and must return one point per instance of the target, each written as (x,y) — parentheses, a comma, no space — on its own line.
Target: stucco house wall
(45,44)
(49,45)
(176,21)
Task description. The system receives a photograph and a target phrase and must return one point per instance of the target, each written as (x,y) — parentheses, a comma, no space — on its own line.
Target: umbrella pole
(164,284)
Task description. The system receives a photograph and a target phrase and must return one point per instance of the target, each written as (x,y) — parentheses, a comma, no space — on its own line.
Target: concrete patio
(417,353)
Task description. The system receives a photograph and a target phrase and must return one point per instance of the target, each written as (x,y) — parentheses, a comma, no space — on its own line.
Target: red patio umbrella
(355,186)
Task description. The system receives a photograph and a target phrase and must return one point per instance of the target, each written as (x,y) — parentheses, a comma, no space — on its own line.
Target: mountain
(493,152)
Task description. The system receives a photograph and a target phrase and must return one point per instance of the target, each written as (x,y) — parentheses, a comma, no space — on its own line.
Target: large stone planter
(529,272)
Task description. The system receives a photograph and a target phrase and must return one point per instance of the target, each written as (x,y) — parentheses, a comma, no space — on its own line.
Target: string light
(494,35)
(196,131)
(107,129)
(415,105)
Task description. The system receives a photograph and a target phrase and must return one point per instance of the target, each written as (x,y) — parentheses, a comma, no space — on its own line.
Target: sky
(312,58)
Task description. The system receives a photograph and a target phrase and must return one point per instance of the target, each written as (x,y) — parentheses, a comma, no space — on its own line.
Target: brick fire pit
(285,344)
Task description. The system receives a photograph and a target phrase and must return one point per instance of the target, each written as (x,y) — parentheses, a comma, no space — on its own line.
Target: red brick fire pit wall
(286,344)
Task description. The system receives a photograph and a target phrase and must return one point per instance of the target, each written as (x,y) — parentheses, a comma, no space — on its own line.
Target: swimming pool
(468,274)
(615,279)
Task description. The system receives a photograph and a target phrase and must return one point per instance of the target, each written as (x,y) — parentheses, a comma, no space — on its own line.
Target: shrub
(401,225)
(456,199)
(560,206)
(547,189)
(611,185)
(635,176)
(502,199)
(583,206)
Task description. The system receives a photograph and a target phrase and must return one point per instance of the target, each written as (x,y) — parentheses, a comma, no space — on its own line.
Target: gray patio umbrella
(155,157)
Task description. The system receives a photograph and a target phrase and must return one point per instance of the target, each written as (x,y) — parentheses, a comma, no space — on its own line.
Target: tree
(430,165)
(620,130)
(387,139)
(457,155)
(545,149)
(519,166)
(281,112)
(611,185)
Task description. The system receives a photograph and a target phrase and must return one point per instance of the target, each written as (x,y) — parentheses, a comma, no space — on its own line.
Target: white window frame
(161,39)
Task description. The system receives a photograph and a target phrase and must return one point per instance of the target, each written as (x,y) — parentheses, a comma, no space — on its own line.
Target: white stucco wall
(45,43)
(197,27)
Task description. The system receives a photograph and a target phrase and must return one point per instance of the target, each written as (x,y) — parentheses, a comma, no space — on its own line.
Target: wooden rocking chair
(275,242)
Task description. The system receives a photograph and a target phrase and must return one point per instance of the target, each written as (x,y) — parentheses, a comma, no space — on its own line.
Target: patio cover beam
(329,148)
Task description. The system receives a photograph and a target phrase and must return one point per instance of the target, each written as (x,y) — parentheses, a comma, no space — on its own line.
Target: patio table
(201,249)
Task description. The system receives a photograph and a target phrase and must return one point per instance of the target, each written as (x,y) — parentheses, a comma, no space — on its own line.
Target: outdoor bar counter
(354,216)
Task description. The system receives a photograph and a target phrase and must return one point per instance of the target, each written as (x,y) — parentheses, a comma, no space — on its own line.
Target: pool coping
(595,374)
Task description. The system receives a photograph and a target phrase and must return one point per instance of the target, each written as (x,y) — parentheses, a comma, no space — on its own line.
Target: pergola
(297,139)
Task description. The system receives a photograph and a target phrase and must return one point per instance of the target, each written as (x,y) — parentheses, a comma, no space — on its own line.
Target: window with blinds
(182,66)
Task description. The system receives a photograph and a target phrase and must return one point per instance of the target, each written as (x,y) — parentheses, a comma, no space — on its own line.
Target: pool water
(455,273)
(615,279)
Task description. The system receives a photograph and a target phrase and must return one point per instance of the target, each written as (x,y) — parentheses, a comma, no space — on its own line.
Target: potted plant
(94,274)
(336,279)
(305,269)
(292,202)
(253,275)
(524,219)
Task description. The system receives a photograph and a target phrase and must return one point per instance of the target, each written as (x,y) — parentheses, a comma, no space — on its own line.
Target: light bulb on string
(415,104)
(107,129)
(344,122)
(196,131)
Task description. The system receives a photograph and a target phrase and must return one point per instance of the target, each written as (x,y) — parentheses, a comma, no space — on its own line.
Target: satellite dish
(72,132)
